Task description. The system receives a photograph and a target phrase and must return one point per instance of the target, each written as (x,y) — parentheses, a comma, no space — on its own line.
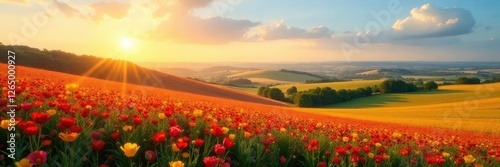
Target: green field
(463,107)
(245,89)
(270,76)
(333,85)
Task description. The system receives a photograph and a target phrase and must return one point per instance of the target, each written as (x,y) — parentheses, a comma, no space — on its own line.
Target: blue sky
(261,30)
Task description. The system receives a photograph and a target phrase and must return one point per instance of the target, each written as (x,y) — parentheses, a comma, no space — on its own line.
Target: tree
(303,100)
(343,95)
(411,87)
(430,85)
(328,95)
(393,86)
(465,80)
(261,91)
(292,90)
(276,94)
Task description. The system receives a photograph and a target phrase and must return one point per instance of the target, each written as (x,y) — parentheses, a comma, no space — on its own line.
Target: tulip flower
(37,158)
(130,149)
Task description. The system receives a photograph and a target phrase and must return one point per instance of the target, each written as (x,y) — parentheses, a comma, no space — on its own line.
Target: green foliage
(465,80)
(292,90)
(430,85)
(304,100)
(276,94)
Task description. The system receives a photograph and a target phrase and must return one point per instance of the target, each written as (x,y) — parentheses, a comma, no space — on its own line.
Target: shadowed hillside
(121,71)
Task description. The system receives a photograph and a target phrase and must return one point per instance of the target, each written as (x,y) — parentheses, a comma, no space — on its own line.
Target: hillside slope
(125,72)
(270,76)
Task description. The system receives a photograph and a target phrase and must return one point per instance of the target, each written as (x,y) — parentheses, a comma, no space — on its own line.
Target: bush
(465,80)
(393,86)
(292,90)
(276,94)
(304,100)
(430,85)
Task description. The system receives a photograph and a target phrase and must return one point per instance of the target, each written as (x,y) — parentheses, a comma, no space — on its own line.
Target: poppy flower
(210,161)
(24,163)
(37,158)
(137,121)
(159,137)
(176,164)
(115,135)
(68,137)
(32,130)
(130,149)
(174,131)
(124,117)
(217,131)
(40,117)
(67,122)
(150,155)
(97,145)
(105,115)
(198,142)
(95,135)
(219,149)
(228,143)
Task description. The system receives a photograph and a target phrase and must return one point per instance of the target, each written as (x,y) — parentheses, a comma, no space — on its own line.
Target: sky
(258,30)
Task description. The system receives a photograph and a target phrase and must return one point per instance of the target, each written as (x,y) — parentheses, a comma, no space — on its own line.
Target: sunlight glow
(127,43)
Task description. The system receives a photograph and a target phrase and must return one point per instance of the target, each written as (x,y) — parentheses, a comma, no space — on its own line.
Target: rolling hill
(333,85)
(272,76)
(123,71)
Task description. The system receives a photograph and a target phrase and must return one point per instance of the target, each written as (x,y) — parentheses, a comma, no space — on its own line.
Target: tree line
(326,95)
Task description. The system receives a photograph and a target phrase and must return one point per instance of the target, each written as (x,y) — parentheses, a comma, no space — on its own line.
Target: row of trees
(465,80)
(326,95)
(400,86)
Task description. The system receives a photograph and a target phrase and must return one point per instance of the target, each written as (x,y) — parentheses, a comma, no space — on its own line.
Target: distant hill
(121,71)
(272,76)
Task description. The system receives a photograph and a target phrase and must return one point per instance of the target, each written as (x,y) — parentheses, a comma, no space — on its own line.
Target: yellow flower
(197,112)
(130,149)
(282,130)
(232,136)
(23,163)
(469,159)
(371,155)
(175,148)
(68,137)
(185,155)
(162,115)
(89,107)
(378,145)
(345,139)
(5,123)
(446,155)
(176,164)
(51,112)
(397,135)
(225,130)
(248,134)
(72,87)
(127,128)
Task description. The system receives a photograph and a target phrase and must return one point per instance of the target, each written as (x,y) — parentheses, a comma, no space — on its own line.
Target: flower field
(67,120)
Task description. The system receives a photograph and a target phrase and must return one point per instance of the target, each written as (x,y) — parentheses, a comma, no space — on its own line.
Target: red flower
(137,121)
(282,160)
(26,106)
(67,122)
(219,149)
(341,150)
(85,113)
(266,142)
(181,144)
(154,121)
(105,115)
(159,137)
(217,131)
(172,122)
(37,157)
(76,129)
(24,125)
(355,151)
(210,161)
(40,117)
(404,152)
(367,149)
(32,130)
(124,117)
(150,155)
(97,145)
(95,135)
(322,164)
(228,143)
(174,131)
(336,160)
(115,135)
(198,142)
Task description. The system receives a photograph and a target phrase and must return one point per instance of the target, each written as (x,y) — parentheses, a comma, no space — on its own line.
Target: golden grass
(462,107)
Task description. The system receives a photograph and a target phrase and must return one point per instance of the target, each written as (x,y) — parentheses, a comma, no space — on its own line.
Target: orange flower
(69,137)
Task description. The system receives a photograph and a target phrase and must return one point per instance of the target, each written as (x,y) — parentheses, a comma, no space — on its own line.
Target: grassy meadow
(462,107)
(333,85)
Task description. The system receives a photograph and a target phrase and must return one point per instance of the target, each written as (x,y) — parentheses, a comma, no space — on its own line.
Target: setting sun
(127,43)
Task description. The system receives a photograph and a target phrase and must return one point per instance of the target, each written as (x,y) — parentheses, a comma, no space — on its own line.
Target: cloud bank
(430,21)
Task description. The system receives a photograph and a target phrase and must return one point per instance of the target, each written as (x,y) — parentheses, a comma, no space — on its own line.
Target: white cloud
(430,21)
(279,30)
